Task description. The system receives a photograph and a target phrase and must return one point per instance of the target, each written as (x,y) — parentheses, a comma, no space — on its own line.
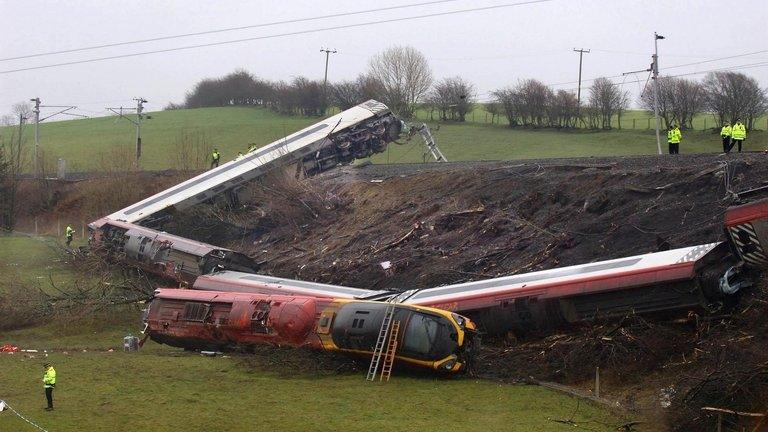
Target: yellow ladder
(389,357)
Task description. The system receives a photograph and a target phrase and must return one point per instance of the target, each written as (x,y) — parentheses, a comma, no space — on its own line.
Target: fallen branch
(576,392)
(738,413)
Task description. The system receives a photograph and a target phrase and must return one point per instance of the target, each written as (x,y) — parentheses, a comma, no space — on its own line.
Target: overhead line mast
(139,117)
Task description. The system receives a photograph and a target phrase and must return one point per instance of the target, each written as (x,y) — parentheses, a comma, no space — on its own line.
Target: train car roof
(217,180)
(601,276)
(249,282)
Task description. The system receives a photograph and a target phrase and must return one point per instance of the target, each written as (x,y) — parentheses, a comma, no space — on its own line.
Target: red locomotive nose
(296,319)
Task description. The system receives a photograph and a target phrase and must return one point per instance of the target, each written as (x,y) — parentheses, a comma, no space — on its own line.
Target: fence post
(486,117)
(58,227)
(35,225)
(597,381)
(705,123)
(633,123)
(649,123)
(473,116)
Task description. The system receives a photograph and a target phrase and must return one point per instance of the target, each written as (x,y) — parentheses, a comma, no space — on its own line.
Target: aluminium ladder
(381,342)
(429,142)
(389,357)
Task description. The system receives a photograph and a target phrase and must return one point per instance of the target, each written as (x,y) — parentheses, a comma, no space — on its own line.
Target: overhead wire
(728,68)
(670,67)
(293,33)
(227,29)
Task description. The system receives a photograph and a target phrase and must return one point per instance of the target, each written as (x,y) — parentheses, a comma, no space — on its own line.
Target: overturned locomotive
(430,338)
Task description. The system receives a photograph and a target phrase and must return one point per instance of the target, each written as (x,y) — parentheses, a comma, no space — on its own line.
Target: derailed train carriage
(232,306)
(431,338)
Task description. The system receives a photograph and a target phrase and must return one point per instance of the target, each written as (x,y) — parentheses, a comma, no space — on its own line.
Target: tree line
(402,78)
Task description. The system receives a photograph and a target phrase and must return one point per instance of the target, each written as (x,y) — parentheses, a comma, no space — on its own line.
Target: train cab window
(420,334)
(428,337)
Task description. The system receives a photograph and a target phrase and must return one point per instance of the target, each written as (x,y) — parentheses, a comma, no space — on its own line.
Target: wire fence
(633,119)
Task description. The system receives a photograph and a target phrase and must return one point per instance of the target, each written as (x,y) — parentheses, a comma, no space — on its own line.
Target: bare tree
(310,96)
(509,101)
(453,97)
(732,95)
(404,76)
(192,150)
(494,109)
(533,97)
(11,165)
(21,108)
(346,94)
(563,109)
(679,101)
(8,120)
(607,99)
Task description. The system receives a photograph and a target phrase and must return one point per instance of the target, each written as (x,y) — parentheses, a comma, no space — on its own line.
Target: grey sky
(490,48)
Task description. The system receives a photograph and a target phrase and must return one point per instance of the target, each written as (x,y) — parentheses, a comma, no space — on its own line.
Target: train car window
(198,312)
(259,317)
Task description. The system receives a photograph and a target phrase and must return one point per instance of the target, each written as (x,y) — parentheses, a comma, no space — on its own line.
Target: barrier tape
(4,405)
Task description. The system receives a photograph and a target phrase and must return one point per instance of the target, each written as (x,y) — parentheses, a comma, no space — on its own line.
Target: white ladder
(381,342)
(429,141)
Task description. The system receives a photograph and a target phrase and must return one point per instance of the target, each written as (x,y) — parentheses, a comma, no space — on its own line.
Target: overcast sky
(491,48)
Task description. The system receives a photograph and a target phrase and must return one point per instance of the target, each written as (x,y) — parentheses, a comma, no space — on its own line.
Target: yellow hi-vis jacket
(739,132)
(49,379)
(215,155)
(70,231)
(725,131)
(674,136)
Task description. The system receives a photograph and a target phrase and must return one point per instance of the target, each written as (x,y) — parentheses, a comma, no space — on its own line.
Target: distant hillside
(183,139)
(92,143)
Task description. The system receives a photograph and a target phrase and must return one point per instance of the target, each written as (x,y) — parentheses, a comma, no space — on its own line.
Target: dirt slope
(473,221)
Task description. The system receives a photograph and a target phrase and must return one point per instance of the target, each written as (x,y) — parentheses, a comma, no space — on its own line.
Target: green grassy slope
(93,144)
(161,389)
(34,263)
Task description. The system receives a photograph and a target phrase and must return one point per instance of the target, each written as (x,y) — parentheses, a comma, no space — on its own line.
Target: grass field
(93,144)
(32,262)
(162,389)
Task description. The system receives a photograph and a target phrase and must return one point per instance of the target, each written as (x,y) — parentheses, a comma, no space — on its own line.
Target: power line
(338,27)
(228,29)
(723,69)
(717,59)
(670,67)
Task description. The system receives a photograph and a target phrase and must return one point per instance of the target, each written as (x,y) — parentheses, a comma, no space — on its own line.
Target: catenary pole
(36,110)
(656,92)
(139,109)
